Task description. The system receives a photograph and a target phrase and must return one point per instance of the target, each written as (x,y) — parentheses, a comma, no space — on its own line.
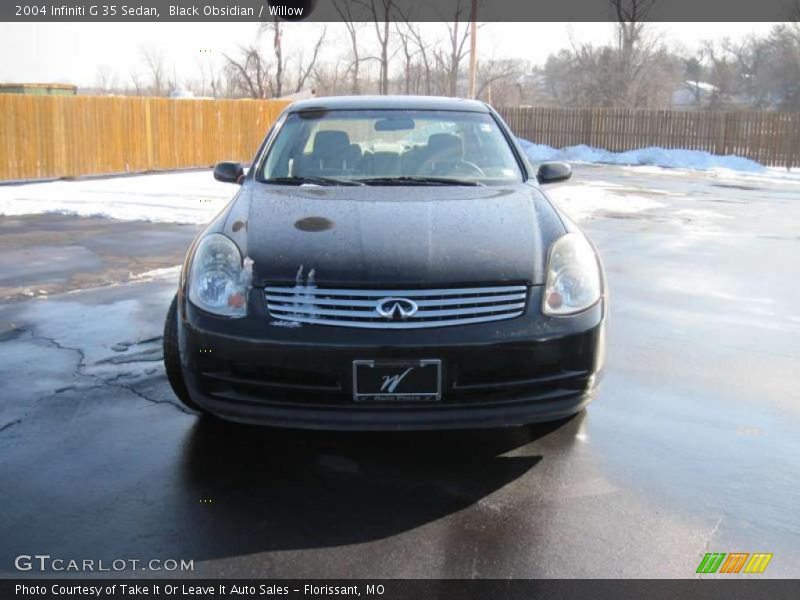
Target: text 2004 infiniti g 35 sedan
(389,263)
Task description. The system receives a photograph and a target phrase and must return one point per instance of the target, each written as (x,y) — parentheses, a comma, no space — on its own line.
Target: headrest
(331,142)
(445,146)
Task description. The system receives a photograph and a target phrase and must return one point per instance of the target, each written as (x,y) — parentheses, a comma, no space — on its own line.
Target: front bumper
(503,373)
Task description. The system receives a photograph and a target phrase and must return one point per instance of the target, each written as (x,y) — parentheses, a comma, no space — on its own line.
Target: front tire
(172,359)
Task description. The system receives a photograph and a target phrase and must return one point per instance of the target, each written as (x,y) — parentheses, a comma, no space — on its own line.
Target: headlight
(573,276)
(217,281)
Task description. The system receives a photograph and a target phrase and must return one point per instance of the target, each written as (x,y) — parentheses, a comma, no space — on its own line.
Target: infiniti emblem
(396,309)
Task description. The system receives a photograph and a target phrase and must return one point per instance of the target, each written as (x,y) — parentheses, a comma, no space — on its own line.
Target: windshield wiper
(299,180)
(419,180)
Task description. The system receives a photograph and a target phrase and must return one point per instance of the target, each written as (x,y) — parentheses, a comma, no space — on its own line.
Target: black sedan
(389,263)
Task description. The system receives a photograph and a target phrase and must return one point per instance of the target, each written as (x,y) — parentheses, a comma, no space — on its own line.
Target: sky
(74,52)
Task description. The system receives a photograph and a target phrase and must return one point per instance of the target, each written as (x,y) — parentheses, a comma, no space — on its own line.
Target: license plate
(397,380)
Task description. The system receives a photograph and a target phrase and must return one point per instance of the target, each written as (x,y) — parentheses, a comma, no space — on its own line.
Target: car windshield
(390,147)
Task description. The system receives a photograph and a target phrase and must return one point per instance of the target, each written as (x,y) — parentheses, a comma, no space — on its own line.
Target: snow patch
(156,273)
(701,213)
(659,157)
(581,201)
(193,197)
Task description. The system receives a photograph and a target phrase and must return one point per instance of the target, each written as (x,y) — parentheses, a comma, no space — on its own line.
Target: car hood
(394,235)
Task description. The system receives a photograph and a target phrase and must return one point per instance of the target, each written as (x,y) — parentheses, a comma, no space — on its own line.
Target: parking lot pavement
(51,253)
(692,446)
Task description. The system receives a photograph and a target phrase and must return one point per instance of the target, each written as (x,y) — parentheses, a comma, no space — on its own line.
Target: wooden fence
(771,138)
(61,136)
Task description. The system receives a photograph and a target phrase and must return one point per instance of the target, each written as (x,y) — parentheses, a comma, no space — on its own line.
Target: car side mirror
(229,172)
(550,172)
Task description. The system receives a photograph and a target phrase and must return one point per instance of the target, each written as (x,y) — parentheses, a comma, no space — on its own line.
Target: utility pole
(473,43)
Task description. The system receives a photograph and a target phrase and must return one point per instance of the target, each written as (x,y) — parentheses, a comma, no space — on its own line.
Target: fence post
(148,134)
(588,126)
(58,137)
(725,132)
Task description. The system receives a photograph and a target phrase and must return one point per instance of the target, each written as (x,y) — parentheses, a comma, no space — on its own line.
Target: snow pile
(188,197)
(660,157)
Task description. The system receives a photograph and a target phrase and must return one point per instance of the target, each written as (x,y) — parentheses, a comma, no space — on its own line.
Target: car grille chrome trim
(358,307)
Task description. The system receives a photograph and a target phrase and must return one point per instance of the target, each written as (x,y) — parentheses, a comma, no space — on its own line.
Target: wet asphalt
(47,254)
(691,447)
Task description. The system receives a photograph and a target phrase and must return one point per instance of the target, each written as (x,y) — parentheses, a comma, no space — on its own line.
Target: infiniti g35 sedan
(388,263)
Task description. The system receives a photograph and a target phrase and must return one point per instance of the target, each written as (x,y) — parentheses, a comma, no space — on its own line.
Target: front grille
(360,308)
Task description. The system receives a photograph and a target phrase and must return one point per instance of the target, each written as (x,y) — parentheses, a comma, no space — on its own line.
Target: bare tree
(381,13)
(211,77)
(494,71)
(693,70)
(260,76)
(631,16)
(136,81)
(105,79)
(424,50)
(449,59)
(635,71)
(722,75)
(250,73)
(634,47)
(154,62)
(303,71)
(329,77)
(351,14)
(759,72)
(173,81)
(276,28)
(278,82)
(782,66)
(407,47)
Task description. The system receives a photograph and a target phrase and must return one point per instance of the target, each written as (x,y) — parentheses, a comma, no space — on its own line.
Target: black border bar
(733,588)
(398,10)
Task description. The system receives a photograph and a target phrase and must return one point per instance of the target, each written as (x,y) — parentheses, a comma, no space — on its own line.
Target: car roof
(389,103)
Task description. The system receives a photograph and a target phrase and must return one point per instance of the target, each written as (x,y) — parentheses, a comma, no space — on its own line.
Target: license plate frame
(397,368)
